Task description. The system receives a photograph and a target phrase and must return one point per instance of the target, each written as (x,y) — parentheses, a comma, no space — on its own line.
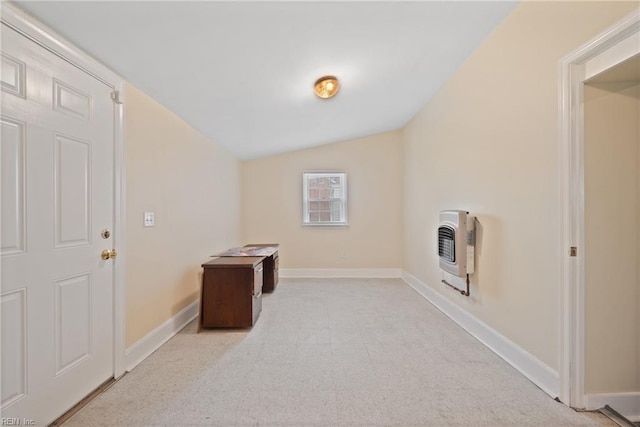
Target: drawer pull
(259,270)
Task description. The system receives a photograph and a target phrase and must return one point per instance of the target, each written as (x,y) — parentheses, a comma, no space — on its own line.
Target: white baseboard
(628,404)
(539,373)
(160,335)
(325,273)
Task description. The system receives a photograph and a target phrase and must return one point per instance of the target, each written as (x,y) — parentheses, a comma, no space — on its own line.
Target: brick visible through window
(324,198)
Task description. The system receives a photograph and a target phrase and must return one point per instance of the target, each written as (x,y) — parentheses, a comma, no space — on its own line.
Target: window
(324,198)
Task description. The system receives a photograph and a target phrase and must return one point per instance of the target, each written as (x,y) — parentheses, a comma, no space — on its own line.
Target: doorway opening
(600,199)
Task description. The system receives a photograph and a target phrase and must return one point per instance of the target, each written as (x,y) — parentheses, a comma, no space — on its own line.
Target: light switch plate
(149,219)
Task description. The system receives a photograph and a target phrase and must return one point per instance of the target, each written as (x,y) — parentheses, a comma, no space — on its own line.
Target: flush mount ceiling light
(326,87)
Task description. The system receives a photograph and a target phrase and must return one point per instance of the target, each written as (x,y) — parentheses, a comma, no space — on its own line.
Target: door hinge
(115,96)
(573,251)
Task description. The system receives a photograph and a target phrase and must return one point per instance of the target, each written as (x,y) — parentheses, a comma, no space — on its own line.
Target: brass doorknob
(109,254)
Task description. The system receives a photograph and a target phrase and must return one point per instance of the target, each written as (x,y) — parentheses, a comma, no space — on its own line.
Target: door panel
(14,340)
(71,101)
(57,147)
(13,76)
(73,321)
(72,188)
(12,157)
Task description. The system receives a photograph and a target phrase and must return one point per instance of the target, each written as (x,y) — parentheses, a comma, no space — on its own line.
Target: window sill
(324,224)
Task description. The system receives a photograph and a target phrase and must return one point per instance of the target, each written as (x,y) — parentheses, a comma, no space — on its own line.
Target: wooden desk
(231,294)
(271,262)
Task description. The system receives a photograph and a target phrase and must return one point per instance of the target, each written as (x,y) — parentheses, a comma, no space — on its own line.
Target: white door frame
(18,20)
(609,48)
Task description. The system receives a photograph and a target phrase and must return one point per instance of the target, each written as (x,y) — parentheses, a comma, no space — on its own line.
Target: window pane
(336,211)
(325,198)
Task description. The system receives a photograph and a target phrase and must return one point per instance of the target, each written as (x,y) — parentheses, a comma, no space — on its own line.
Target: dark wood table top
(249,251)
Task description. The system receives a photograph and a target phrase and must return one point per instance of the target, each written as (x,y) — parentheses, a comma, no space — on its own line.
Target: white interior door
(57,170)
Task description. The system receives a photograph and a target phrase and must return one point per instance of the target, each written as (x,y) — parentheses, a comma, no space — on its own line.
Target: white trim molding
(142,349)
(627,404)
(532,368)
(335,273)
(597,54)
(119,238)
(16,19)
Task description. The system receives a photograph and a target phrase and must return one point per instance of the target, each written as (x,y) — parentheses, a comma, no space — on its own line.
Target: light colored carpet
(339,352)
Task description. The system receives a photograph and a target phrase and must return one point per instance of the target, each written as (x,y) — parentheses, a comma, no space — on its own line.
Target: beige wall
(193,186)
(272,205)
(611,237)
(487,142)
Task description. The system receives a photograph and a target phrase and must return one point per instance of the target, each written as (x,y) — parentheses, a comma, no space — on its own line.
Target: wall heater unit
(456,242)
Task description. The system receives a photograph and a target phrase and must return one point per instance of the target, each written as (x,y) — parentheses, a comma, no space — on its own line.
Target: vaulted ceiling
(242,73)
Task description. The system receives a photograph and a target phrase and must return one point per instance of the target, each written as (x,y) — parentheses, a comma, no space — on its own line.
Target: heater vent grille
(456,240)
(446,243)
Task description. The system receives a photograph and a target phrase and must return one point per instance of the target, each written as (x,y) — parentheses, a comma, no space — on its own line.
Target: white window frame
(306,176)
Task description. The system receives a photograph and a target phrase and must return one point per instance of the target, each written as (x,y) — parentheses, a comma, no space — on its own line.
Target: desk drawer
(258,274)
(276,269)
(256,304)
